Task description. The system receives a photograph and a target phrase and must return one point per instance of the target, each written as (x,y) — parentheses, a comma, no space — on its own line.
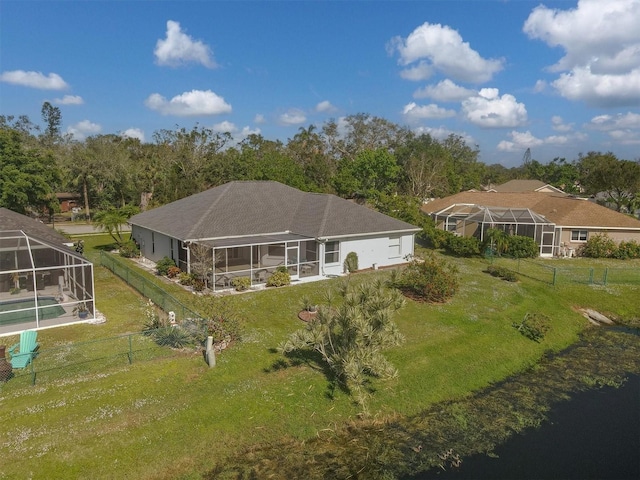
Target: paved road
(81,228)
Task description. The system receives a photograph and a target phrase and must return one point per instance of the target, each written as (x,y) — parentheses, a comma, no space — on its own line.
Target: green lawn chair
(26,349)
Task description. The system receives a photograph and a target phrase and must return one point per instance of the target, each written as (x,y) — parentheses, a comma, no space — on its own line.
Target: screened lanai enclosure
(256,258)
(474,220)
(42,285)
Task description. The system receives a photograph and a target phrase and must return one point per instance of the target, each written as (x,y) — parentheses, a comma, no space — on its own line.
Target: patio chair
(27,349)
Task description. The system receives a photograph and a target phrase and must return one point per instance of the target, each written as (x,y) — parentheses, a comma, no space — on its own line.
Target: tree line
(360,157)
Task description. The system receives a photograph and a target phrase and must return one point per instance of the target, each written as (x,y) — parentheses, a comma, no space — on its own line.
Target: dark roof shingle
(260,207)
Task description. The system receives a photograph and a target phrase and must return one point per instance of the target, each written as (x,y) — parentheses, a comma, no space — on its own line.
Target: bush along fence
(563,274)
(148,289)
(71,359)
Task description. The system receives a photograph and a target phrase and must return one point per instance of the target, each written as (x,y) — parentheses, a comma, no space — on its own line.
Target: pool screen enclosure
(42,285)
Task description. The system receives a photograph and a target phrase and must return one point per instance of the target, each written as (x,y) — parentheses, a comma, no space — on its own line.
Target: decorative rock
(596,317)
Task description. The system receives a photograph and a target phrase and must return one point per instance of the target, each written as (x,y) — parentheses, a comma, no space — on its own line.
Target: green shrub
(173,272)
(241,283)
(279,279)
(502,272)
(163,265)
(435,237)
(522,247)
(185,278)
(429,279)
(627,250)
(198,285)
(129,249)
(534,326)
(461,246)
(351,262)
(599,246)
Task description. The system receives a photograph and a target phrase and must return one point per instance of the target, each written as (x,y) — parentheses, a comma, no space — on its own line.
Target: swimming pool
(23,310)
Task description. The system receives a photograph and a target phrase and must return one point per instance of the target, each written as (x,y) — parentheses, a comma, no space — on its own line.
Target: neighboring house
(559,223)
(249,229)
(522,186)
(42,280)
(68,201)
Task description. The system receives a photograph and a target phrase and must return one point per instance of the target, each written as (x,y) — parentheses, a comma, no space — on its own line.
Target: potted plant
(81,310)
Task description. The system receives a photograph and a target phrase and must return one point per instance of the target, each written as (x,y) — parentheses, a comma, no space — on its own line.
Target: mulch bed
(306,315)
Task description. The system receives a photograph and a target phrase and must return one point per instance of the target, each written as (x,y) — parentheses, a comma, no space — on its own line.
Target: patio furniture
(26,349)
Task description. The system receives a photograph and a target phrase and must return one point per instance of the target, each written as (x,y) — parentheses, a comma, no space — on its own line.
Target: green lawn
(173,417)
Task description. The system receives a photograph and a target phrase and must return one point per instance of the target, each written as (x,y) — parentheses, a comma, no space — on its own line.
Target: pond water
(595,435)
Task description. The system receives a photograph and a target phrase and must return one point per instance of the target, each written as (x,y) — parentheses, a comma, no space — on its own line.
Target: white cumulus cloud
(69,100)
(520,141)
(444,91)
(53,81)
(490,110)
(414,112)
(325,107)
(178,49)
(133,133)
(224,127)
(259,118)
(193,103)
(442,48)
(601,41)
(621,128)
(84,129)
(293,116)
(559,126)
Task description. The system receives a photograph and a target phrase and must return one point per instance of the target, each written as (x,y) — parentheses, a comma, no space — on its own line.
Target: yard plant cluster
(177,418)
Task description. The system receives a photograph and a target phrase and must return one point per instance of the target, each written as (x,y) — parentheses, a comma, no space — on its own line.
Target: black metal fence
(70,360)
(148,289)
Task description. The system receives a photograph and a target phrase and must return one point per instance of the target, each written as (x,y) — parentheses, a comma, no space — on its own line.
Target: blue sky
(558,77)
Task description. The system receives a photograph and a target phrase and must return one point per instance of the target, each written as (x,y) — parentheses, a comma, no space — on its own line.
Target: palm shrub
(350,336)
(428,279)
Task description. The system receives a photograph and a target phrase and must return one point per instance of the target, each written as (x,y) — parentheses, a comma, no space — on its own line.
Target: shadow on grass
(313,360)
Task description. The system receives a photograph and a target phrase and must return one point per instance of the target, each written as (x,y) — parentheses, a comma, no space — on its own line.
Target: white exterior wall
(370,251)
(153,245)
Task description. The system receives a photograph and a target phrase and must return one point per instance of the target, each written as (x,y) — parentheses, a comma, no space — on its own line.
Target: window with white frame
(395,249)
(578,235)
(332,252)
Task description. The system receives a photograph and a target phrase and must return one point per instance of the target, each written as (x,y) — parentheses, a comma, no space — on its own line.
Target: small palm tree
(112,221)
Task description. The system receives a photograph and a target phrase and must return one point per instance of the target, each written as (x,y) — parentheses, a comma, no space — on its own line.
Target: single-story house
(522,186)
(43,281)
(68,201)
(559,223)
(250,228)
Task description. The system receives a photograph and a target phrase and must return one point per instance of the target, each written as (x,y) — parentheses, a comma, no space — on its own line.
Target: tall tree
(26,175)
(427,165)
(53,120)
(617,180)
(370,174)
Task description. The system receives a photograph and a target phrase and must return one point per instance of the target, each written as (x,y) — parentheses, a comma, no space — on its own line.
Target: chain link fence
(565,274)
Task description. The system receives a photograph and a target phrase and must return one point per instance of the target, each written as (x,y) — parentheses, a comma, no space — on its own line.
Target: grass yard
(173,417)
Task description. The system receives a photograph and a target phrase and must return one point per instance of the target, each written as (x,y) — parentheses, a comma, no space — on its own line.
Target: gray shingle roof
(261,207)
(10,220)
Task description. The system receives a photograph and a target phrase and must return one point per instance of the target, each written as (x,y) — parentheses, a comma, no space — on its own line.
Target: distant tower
(526,159)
